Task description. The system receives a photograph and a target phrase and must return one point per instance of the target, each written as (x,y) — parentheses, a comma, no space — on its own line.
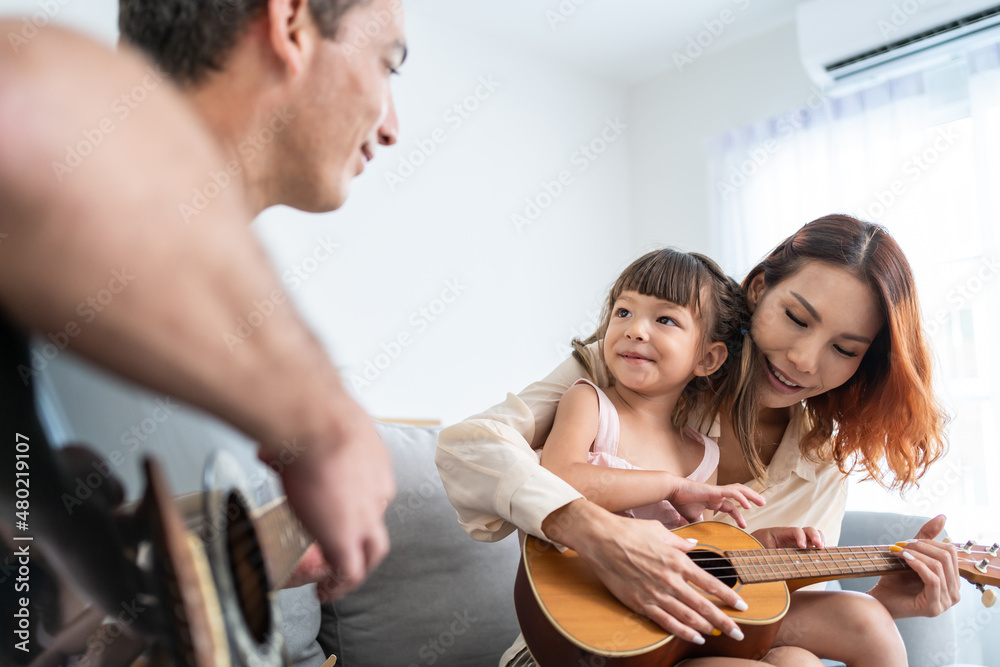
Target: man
(183,279)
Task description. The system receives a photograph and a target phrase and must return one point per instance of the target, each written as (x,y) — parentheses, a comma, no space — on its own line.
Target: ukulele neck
(282,539)
(764,565)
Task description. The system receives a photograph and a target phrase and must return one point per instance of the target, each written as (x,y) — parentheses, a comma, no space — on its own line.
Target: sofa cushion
(439,597)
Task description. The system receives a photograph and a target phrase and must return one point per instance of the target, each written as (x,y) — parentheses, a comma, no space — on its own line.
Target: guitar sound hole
(716,565)
(249,576)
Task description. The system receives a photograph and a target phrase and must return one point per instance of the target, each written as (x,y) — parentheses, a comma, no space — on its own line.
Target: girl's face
(653,346)
(812,328)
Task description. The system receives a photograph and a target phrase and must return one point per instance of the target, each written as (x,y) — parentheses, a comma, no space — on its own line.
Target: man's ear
(712,360)
(293,33)
(754,291)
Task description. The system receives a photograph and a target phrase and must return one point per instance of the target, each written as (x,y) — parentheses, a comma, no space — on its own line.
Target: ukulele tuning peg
(967,547)
(983,565)
(994,549)
(989,595)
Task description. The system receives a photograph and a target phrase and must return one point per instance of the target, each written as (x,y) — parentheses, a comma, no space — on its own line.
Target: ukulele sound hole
(716,565)
(247,564)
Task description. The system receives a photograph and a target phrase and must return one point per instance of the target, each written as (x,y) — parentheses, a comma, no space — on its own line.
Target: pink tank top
(604,452)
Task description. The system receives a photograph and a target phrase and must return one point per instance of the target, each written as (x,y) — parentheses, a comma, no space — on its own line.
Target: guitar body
(568,617)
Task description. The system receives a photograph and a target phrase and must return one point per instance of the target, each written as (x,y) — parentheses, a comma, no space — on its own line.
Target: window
(921,156)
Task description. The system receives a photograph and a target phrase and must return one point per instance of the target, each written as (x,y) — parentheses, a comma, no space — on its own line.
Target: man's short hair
(190,38)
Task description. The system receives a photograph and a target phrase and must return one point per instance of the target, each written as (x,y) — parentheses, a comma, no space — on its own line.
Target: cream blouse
(494,481)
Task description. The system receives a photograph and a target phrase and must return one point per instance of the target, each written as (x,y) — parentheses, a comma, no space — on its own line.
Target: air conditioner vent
(942,34)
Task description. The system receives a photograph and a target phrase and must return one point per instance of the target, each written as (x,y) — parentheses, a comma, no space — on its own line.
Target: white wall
(524,291)
(676,112)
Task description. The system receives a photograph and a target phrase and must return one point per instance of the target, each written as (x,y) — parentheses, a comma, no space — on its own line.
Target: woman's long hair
(887,411)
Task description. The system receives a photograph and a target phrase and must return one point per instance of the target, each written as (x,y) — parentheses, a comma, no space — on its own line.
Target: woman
(846,377)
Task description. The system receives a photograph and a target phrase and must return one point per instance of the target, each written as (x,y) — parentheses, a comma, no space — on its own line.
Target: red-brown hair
(885,418)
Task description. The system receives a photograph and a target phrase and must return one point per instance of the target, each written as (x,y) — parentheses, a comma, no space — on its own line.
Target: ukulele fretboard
(763,565)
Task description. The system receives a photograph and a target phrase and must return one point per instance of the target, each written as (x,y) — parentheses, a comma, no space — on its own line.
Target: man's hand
(691,499)
(933,585)
(339,487)
(646,567)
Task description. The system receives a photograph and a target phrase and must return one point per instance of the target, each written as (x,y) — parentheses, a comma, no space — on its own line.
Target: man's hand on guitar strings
(339,487)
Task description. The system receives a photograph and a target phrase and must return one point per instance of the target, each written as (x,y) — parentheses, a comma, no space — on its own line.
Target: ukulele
(568,617)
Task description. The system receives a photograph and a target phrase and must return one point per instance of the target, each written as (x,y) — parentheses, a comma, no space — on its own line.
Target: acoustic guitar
(208,563)
(568,617)
(189,580)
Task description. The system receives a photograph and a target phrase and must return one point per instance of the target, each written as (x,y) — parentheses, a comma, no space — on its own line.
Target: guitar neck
(765,565)
(282,539)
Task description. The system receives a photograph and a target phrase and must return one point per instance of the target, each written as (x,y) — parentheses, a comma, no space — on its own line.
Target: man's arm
(95,247)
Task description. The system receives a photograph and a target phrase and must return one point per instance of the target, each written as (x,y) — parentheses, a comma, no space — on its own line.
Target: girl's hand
(933,585)
(691,499)
(790,537)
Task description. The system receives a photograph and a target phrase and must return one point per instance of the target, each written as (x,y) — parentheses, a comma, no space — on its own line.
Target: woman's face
(812,328)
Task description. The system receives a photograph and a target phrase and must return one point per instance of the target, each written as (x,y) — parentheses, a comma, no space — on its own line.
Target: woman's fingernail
(895,548)
(907,555)
(903,544)
(741,605)
(697,639)
(692,540)
(716,632)
(737,634)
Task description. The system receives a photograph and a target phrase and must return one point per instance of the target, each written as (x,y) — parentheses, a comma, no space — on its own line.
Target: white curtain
(921,156)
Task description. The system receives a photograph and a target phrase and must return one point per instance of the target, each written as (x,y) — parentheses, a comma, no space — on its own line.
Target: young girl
(676,348)
(673,331)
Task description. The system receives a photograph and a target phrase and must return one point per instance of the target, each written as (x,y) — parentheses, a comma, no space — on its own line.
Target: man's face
(345,108)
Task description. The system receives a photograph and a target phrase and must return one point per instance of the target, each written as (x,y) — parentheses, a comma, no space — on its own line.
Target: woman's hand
(933,585)
(646,567)
(789,537)
(691,499)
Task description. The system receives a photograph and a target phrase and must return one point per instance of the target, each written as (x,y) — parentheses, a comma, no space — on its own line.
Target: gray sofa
(441,598)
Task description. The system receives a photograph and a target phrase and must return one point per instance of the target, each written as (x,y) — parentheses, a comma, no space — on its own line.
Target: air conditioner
(847,44)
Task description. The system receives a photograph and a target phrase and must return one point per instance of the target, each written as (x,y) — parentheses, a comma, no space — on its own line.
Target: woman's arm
(493,479)
(491,472)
